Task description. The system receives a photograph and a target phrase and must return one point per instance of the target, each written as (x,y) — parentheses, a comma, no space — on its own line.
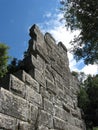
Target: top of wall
(46,47)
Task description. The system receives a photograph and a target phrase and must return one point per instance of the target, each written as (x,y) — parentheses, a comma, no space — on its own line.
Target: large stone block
(51,87)
(49,73)
(13,105)
(13,84)
(43,128)
(45,119)
(48,106)
(30,62)
(76,113)
(44,92)
(60,124)
(34,114)
(71,127)
(16,86)
(21,125)
(61,113)
(40,62)
(33,97)
(27,79)
(60,94)
(39,76)
(7,122)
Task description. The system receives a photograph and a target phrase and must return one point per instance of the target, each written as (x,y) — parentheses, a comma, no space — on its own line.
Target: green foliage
(83,15)
(95,128)
(74,73)
(14,66)
(83,99)
(3,59)
(88,100)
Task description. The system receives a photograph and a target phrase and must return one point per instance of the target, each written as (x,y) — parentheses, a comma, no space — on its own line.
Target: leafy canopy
(3,59)
(88,100)
(83,15)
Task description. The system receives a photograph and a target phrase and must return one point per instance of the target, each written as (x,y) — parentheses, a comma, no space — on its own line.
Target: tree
(83,15)
(88,101)
(3,59)
(14,66)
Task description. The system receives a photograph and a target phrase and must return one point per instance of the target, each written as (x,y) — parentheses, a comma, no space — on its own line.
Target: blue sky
(17,16)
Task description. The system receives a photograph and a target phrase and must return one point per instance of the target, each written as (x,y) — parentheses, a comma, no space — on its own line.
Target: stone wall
(43,96)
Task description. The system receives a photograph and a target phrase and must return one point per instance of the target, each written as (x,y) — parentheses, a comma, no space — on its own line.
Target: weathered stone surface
(60,124)
(71,127)
(61,113)
(42,95)
(34,114)
(33,97)
(44,92)
(7,122)
(21,125)
(13,105)
(40,76)
(48,106)
(76,113)
(45,119)
(13,84)
(42,128)
(27,79)
(17,86)
(51,87)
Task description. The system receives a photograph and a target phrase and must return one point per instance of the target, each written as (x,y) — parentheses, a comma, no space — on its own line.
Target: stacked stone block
(43,96)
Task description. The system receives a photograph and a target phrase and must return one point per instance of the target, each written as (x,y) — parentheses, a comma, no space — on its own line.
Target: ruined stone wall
(43,96)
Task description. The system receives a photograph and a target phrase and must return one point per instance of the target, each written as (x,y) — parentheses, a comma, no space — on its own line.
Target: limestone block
(31,82)
(66,107)
(45,119)
(62,50)
(79,123)
(27,79)
(17,86)
(21,125)
(40,62)
(60,124)
(57,102)
(44,92)
(48,106)
(60,94)
(61,113)
(37,35)
(33,97)
(34,114)
(40,76)
(43,128)
(71,127)
(49,39)
(29,62)
(13,84)
(76,113)
(59,85)
(38,45)
(36,62)
(13,105)
(7,122)
(51,87)
(49,73)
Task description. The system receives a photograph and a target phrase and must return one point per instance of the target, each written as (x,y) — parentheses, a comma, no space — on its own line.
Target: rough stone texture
(43,96)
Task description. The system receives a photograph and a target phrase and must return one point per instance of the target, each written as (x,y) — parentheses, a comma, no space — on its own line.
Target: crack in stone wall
(43,96)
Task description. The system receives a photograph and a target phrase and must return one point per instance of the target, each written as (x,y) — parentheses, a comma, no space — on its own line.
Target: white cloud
(47,15)
(90,69)
(60,33)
